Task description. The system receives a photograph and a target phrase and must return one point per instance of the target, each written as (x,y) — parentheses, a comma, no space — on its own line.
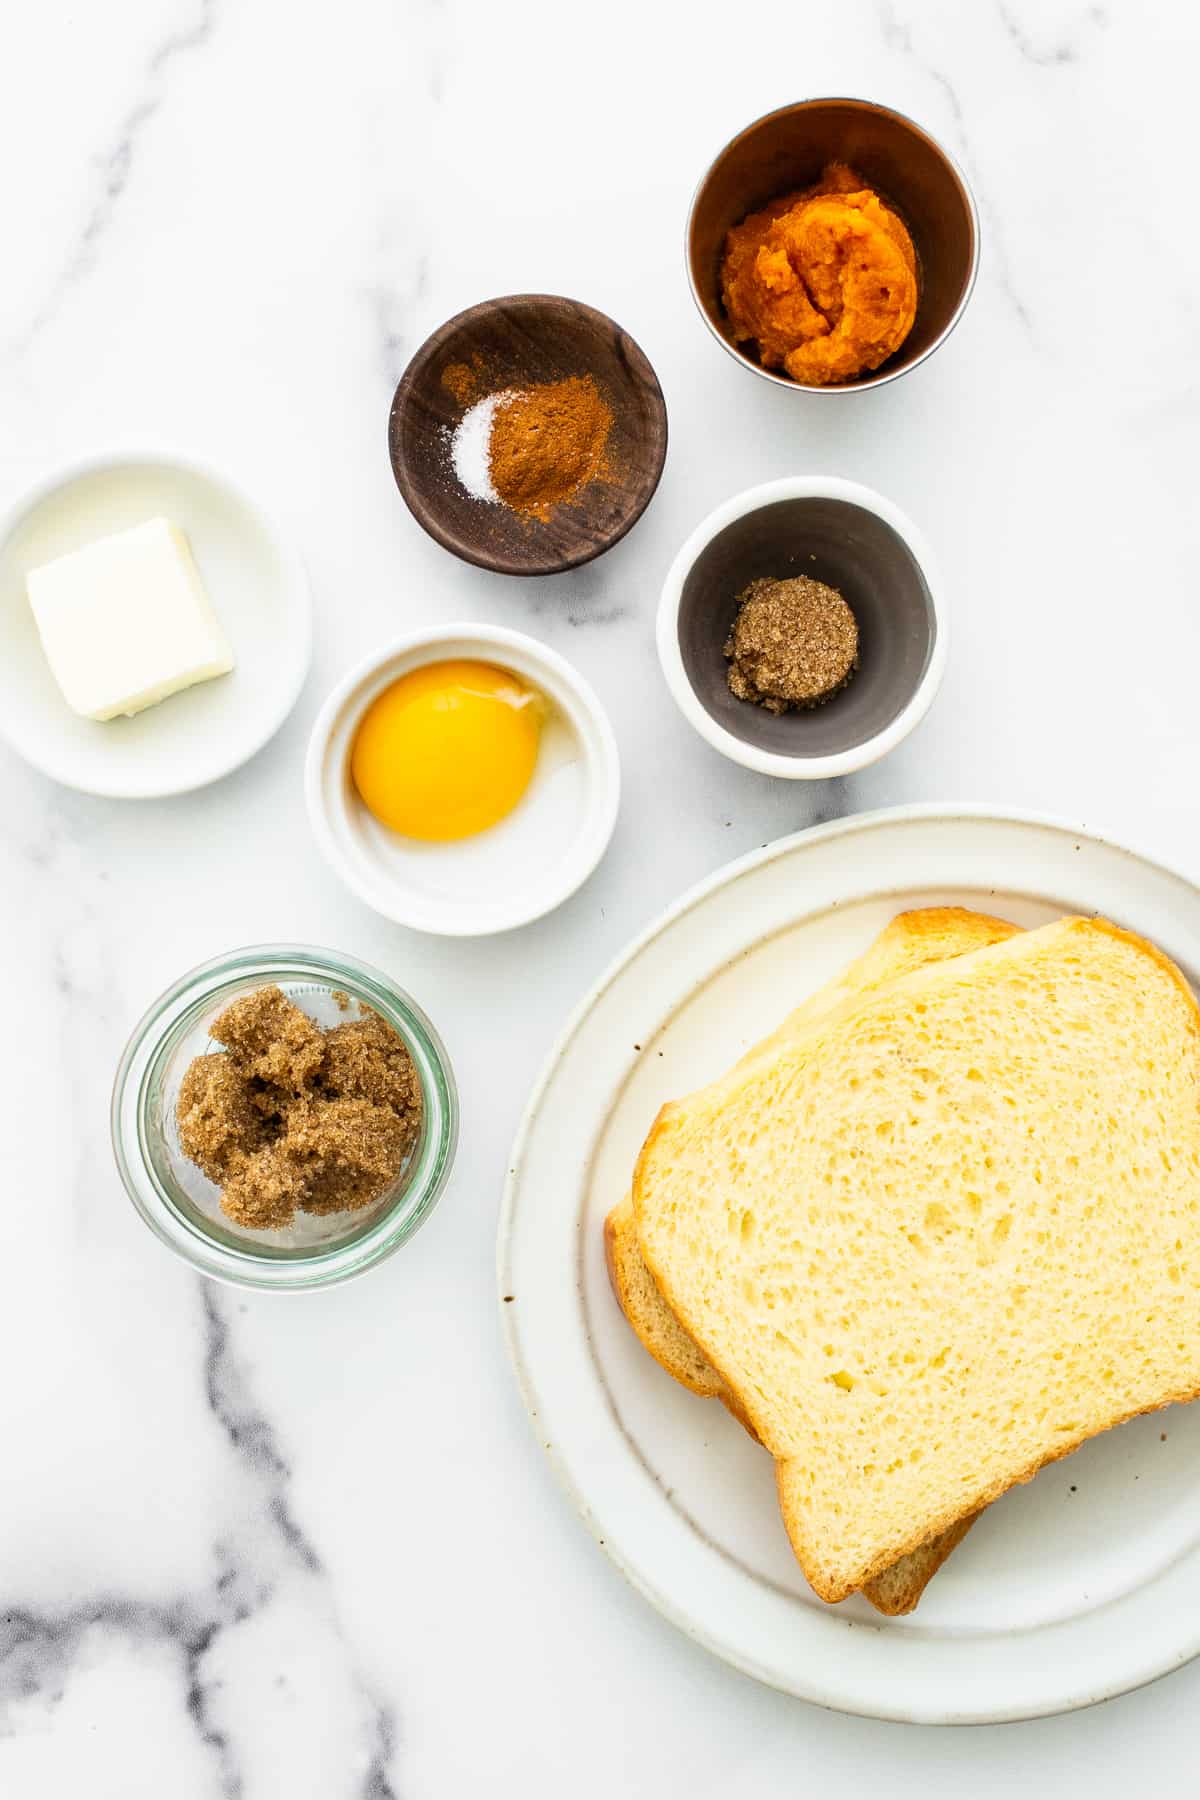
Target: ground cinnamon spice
(463,380)
(547,443)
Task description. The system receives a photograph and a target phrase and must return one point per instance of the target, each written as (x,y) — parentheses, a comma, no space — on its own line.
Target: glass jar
(181,1206)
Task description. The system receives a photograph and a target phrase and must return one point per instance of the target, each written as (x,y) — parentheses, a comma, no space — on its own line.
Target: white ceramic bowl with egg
(517,869)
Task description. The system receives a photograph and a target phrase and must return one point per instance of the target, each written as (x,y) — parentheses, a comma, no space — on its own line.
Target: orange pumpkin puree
(824,280)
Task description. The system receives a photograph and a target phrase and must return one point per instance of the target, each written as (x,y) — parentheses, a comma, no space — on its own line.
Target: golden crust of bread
(897,1589)
(648,1313)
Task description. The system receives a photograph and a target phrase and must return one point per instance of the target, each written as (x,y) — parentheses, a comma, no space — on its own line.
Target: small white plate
(1079,1586)
(259,591)
(518,869)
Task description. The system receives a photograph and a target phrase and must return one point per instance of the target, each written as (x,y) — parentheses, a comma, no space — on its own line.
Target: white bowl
(844,534)
(258,588)
(519,869)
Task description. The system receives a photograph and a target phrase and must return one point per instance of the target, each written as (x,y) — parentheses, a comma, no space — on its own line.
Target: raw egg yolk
(448,750)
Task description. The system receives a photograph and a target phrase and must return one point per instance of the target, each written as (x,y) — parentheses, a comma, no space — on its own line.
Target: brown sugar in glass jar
(357,1211)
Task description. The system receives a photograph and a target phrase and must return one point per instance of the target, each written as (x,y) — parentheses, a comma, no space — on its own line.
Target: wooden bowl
(787,150)
(521,341)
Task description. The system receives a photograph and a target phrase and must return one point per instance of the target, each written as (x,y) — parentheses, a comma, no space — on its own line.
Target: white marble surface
(253,1547)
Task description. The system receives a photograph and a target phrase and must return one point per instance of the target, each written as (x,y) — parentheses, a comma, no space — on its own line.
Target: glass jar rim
(244,1265)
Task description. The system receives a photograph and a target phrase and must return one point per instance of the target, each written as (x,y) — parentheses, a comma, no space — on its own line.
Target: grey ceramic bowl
(788,149)
(837,532)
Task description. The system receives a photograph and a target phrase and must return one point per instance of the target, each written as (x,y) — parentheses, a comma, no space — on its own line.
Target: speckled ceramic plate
(1077,1587)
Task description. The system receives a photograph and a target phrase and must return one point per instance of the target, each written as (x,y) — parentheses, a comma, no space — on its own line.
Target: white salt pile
(471,446)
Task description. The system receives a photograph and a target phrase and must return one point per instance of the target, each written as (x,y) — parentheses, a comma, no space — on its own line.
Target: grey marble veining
(899,32)
(112,166)
(263,1556)
(1064,46)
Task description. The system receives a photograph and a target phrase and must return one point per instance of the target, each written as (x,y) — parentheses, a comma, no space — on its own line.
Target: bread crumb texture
(912,939)
(946,1236)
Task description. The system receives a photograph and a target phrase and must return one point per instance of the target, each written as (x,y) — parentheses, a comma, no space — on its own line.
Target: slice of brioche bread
(907,942)
(895,1590)
(945,1236)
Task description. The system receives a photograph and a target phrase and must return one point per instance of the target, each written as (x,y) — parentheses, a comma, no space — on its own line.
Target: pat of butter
(125,621)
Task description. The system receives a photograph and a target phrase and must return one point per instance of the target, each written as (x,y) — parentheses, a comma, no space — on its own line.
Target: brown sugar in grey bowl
(519,342)
(854,540)
(787,150)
